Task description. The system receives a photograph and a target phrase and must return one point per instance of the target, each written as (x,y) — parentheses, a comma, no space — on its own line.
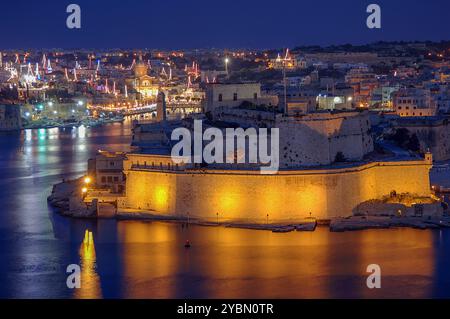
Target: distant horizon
(229,48)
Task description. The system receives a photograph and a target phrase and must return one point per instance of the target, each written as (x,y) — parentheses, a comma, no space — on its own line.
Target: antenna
(284,82)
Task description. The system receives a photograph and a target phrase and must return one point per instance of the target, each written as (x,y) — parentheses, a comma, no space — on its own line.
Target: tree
(401,136)
(339,157)
(413,143)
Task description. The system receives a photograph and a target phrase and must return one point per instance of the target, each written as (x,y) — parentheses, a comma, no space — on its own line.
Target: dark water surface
(148,260)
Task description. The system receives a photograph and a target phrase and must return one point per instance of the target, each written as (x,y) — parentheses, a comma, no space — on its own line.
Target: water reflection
(237,263)
(90,281)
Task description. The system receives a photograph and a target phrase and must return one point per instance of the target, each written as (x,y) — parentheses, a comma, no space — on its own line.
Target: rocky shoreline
(66,198)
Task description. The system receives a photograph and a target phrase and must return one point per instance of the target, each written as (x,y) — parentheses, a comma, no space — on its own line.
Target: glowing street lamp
(87,180)
(227,60)
(50,103)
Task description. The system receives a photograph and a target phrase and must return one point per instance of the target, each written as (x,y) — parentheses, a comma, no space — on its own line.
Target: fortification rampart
(240,195)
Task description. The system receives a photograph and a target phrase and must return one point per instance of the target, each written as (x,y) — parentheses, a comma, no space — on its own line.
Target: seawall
(239,195)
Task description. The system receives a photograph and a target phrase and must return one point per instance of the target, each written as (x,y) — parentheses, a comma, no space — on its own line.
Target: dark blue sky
(173,24)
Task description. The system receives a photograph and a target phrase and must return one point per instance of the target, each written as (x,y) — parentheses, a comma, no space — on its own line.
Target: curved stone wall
(248,196)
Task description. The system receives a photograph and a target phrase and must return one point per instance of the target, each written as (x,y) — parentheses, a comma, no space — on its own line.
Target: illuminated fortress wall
(249,196)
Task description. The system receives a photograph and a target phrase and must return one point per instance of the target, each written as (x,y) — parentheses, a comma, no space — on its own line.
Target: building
(334,102)
(363,82)
(106,169)
(10,118)
(234,94)
(143,83)
(382,98)
(414,102)
(301,101)
(288,62)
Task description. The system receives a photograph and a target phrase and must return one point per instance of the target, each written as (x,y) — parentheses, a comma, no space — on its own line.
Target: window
(116,179)
(234,96)
(109,179)
(112,164)
(103,179)
(255,96)
(220,97)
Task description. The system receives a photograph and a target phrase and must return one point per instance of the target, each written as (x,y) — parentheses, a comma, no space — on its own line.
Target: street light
(84,190)
(87,180)
(226,64)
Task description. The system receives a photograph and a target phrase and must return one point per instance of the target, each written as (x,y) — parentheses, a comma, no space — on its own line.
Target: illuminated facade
(157,185)
(143,83)
(287,62)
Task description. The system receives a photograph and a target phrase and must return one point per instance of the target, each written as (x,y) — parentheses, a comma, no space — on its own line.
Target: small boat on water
(92,122)
(69,123)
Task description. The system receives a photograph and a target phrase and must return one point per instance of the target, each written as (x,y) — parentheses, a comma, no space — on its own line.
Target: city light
(84,190)
(87,180)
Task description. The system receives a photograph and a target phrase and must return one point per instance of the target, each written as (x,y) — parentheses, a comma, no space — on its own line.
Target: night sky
(184,24)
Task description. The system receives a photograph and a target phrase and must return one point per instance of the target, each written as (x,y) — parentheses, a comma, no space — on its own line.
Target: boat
(69,123)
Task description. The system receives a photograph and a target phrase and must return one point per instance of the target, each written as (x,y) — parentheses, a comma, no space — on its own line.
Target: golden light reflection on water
(90,280)
(148,267)
(410,260)
(238,263)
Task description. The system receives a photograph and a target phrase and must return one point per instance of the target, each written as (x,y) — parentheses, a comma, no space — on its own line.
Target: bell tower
(161,107)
